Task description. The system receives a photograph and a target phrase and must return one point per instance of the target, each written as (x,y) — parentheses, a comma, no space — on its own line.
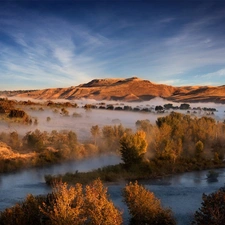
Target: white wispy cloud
(56,52)
(216,74)
(47,52)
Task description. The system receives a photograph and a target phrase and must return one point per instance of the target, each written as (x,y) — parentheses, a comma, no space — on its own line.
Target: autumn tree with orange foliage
(81,206)
(144,207)
(133,147)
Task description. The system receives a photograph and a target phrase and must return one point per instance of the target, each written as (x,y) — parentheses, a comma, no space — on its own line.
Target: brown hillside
(130,89)
(200,94)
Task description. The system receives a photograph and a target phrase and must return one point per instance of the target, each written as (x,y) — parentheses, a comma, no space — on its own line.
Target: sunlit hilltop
(129,89)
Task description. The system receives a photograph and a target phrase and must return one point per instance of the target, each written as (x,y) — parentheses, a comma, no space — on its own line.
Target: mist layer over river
(181,192)
(85,119)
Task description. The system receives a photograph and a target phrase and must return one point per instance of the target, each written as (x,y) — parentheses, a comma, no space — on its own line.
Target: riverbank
(154,169)
(172,190)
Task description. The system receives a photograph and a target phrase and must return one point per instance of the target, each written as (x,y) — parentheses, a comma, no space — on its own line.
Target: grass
(142,171)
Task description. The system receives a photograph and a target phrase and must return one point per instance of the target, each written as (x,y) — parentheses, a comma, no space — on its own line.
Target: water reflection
(197,178)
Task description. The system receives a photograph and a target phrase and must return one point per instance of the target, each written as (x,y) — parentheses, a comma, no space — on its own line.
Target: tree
(168,106)
(72,138)
(81,206)
(158,108)
(212,211)
(35,140)
(95,131)
(99,209)
(144,125)
(111,137)
(23,213)
(184,106)
(64,112)
(133,147)
(14,140)
(199,146)
(144,207)
(66,206)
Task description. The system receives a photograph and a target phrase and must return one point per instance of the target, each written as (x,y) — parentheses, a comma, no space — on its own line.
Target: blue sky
(53,43)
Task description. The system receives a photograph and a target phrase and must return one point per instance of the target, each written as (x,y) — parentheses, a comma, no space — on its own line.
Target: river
(182,193)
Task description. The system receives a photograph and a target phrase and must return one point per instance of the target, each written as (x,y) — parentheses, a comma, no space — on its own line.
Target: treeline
(56,146)
(15,111)
(48,148)
(176,143)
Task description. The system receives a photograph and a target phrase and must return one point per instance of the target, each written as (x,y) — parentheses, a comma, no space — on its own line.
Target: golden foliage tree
(199,147)
(99,209)
(144,207)
(79,206)
(66,206)
(133,147)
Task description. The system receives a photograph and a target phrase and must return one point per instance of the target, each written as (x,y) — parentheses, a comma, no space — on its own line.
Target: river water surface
(182,193)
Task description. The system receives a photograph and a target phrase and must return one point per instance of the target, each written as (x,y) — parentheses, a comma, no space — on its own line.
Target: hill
(130,89)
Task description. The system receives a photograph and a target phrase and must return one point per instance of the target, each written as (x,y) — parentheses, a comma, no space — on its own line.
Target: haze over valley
(112,112)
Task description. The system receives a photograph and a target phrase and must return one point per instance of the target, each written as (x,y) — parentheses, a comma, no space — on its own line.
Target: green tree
(212,211)
(133,147)
(144,207)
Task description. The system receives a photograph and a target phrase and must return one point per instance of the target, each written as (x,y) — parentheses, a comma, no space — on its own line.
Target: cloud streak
(44,49)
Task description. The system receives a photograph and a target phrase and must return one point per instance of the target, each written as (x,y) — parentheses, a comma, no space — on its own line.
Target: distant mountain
(130,89)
